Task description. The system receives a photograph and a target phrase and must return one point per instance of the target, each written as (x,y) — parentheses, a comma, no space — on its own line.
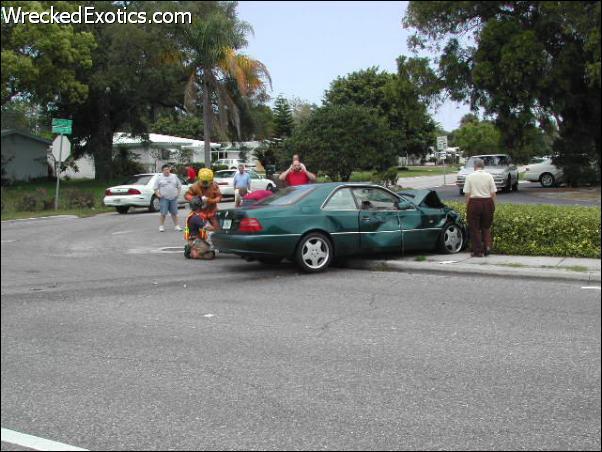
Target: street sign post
(442,147)
(441,143)
(61,150)
(61,126)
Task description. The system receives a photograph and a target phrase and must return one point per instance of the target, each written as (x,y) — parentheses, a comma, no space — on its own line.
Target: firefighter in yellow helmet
(210,194)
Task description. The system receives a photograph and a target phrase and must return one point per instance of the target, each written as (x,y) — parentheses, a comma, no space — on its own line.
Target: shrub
(27,203)
(79,199)
(219,167)
(387,178)
(537,230)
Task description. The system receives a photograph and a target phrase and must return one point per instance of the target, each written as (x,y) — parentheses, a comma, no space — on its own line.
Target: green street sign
(61,126)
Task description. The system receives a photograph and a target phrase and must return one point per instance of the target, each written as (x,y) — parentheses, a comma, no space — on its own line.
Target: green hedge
(537,230)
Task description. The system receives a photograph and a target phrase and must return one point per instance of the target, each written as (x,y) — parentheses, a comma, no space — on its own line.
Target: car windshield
(224,174)
(489,160)
(287,196)
(535,160)
(138,180)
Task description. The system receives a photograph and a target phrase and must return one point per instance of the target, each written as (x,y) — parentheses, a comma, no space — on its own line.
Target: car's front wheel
(122,209)
(314,253)
(547,180)
(155,204)
(451,240)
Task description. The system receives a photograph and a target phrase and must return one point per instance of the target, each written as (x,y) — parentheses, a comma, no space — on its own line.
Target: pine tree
(283,118)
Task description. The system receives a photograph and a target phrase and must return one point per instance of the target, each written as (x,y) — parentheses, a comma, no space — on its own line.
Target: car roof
(490,155)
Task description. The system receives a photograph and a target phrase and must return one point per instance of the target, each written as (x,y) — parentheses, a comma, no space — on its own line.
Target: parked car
(137,191)
(230,163)
(316,223)
(225,179)
(500,166)
(542,170)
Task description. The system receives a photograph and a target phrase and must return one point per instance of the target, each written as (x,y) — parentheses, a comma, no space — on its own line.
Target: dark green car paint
(416,226)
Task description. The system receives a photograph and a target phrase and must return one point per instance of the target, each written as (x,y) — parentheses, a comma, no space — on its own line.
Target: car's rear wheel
(451,240)
(122,209)
(155,204)
(314,253)
(270,187)
(508,185)
(515,185)
(547,180)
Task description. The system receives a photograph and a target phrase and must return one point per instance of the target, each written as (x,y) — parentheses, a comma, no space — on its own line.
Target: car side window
(375,199)
(253,175)
(342,199)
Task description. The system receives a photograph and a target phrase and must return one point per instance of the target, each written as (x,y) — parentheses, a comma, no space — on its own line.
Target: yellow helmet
(205,175)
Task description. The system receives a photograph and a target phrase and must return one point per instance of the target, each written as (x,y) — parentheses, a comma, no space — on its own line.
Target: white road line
(591,287)
(52,217)
(120,232)
(33,442)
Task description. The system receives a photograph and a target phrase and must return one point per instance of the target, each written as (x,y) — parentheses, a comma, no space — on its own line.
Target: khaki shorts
(240,193)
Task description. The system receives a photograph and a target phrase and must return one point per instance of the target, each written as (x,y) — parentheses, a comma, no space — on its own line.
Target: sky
(306,45)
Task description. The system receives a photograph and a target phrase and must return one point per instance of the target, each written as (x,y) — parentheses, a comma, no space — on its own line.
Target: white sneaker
(177,228)
(161,228)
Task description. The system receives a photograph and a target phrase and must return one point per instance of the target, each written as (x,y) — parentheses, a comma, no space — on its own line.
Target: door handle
(366,219)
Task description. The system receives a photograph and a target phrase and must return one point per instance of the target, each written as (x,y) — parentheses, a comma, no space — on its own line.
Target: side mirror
(404,205)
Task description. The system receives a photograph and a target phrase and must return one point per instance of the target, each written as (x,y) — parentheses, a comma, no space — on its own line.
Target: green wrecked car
(314,224)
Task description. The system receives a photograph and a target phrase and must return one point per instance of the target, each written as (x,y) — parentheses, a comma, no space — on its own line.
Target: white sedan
(225,180)
(137,191)
(542,170)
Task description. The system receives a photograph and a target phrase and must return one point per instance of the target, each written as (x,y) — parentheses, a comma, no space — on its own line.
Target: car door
(417,231)
(378,220)
(342,219)
(256,182)
(183,191)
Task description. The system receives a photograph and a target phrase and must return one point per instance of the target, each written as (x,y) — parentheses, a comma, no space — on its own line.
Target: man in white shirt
(479,189)
(167,188)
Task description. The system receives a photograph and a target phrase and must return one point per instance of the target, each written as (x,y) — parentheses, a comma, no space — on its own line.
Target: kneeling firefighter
(198,245)
(210,195)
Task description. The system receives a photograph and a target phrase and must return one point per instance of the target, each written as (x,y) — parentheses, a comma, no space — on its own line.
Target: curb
(520,273)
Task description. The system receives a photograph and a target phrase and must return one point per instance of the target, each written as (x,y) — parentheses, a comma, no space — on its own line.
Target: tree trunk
(207,123)
(101,141)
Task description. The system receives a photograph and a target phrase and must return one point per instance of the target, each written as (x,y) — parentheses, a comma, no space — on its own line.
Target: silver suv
(500,166)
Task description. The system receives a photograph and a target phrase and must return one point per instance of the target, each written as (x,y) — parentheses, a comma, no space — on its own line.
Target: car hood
(490,170)
(416,196)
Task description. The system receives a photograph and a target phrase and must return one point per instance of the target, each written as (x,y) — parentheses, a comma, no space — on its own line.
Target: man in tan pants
(480,190)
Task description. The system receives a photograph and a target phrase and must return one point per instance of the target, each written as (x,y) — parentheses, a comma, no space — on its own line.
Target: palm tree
(215,66)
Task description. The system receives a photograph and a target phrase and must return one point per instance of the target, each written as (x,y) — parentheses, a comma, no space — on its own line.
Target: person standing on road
(242,185)
(210,195)
(479,189)
(191,174)
(167,188)
(297,174)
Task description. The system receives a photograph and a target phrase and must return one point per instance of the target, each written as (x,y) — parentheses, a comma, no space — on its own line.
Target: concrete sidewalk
(556,268)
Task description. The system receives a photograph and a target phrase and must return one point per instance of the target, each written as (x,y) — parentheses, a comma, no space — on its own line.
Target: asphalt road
(112,340)
(532,193)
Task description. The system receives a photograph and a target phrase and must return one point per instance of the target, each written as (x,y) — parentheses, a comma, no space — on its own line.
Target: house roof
(122,138)
(8,132)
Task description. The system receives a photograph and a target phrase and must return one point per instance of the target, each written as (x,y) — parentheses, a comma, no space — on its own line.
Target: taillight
(108,192)
(250,225)
(133,191)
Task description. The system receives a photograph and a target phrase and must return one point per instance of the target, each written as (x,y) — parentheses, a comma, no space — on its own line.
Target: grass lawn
(43,191)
